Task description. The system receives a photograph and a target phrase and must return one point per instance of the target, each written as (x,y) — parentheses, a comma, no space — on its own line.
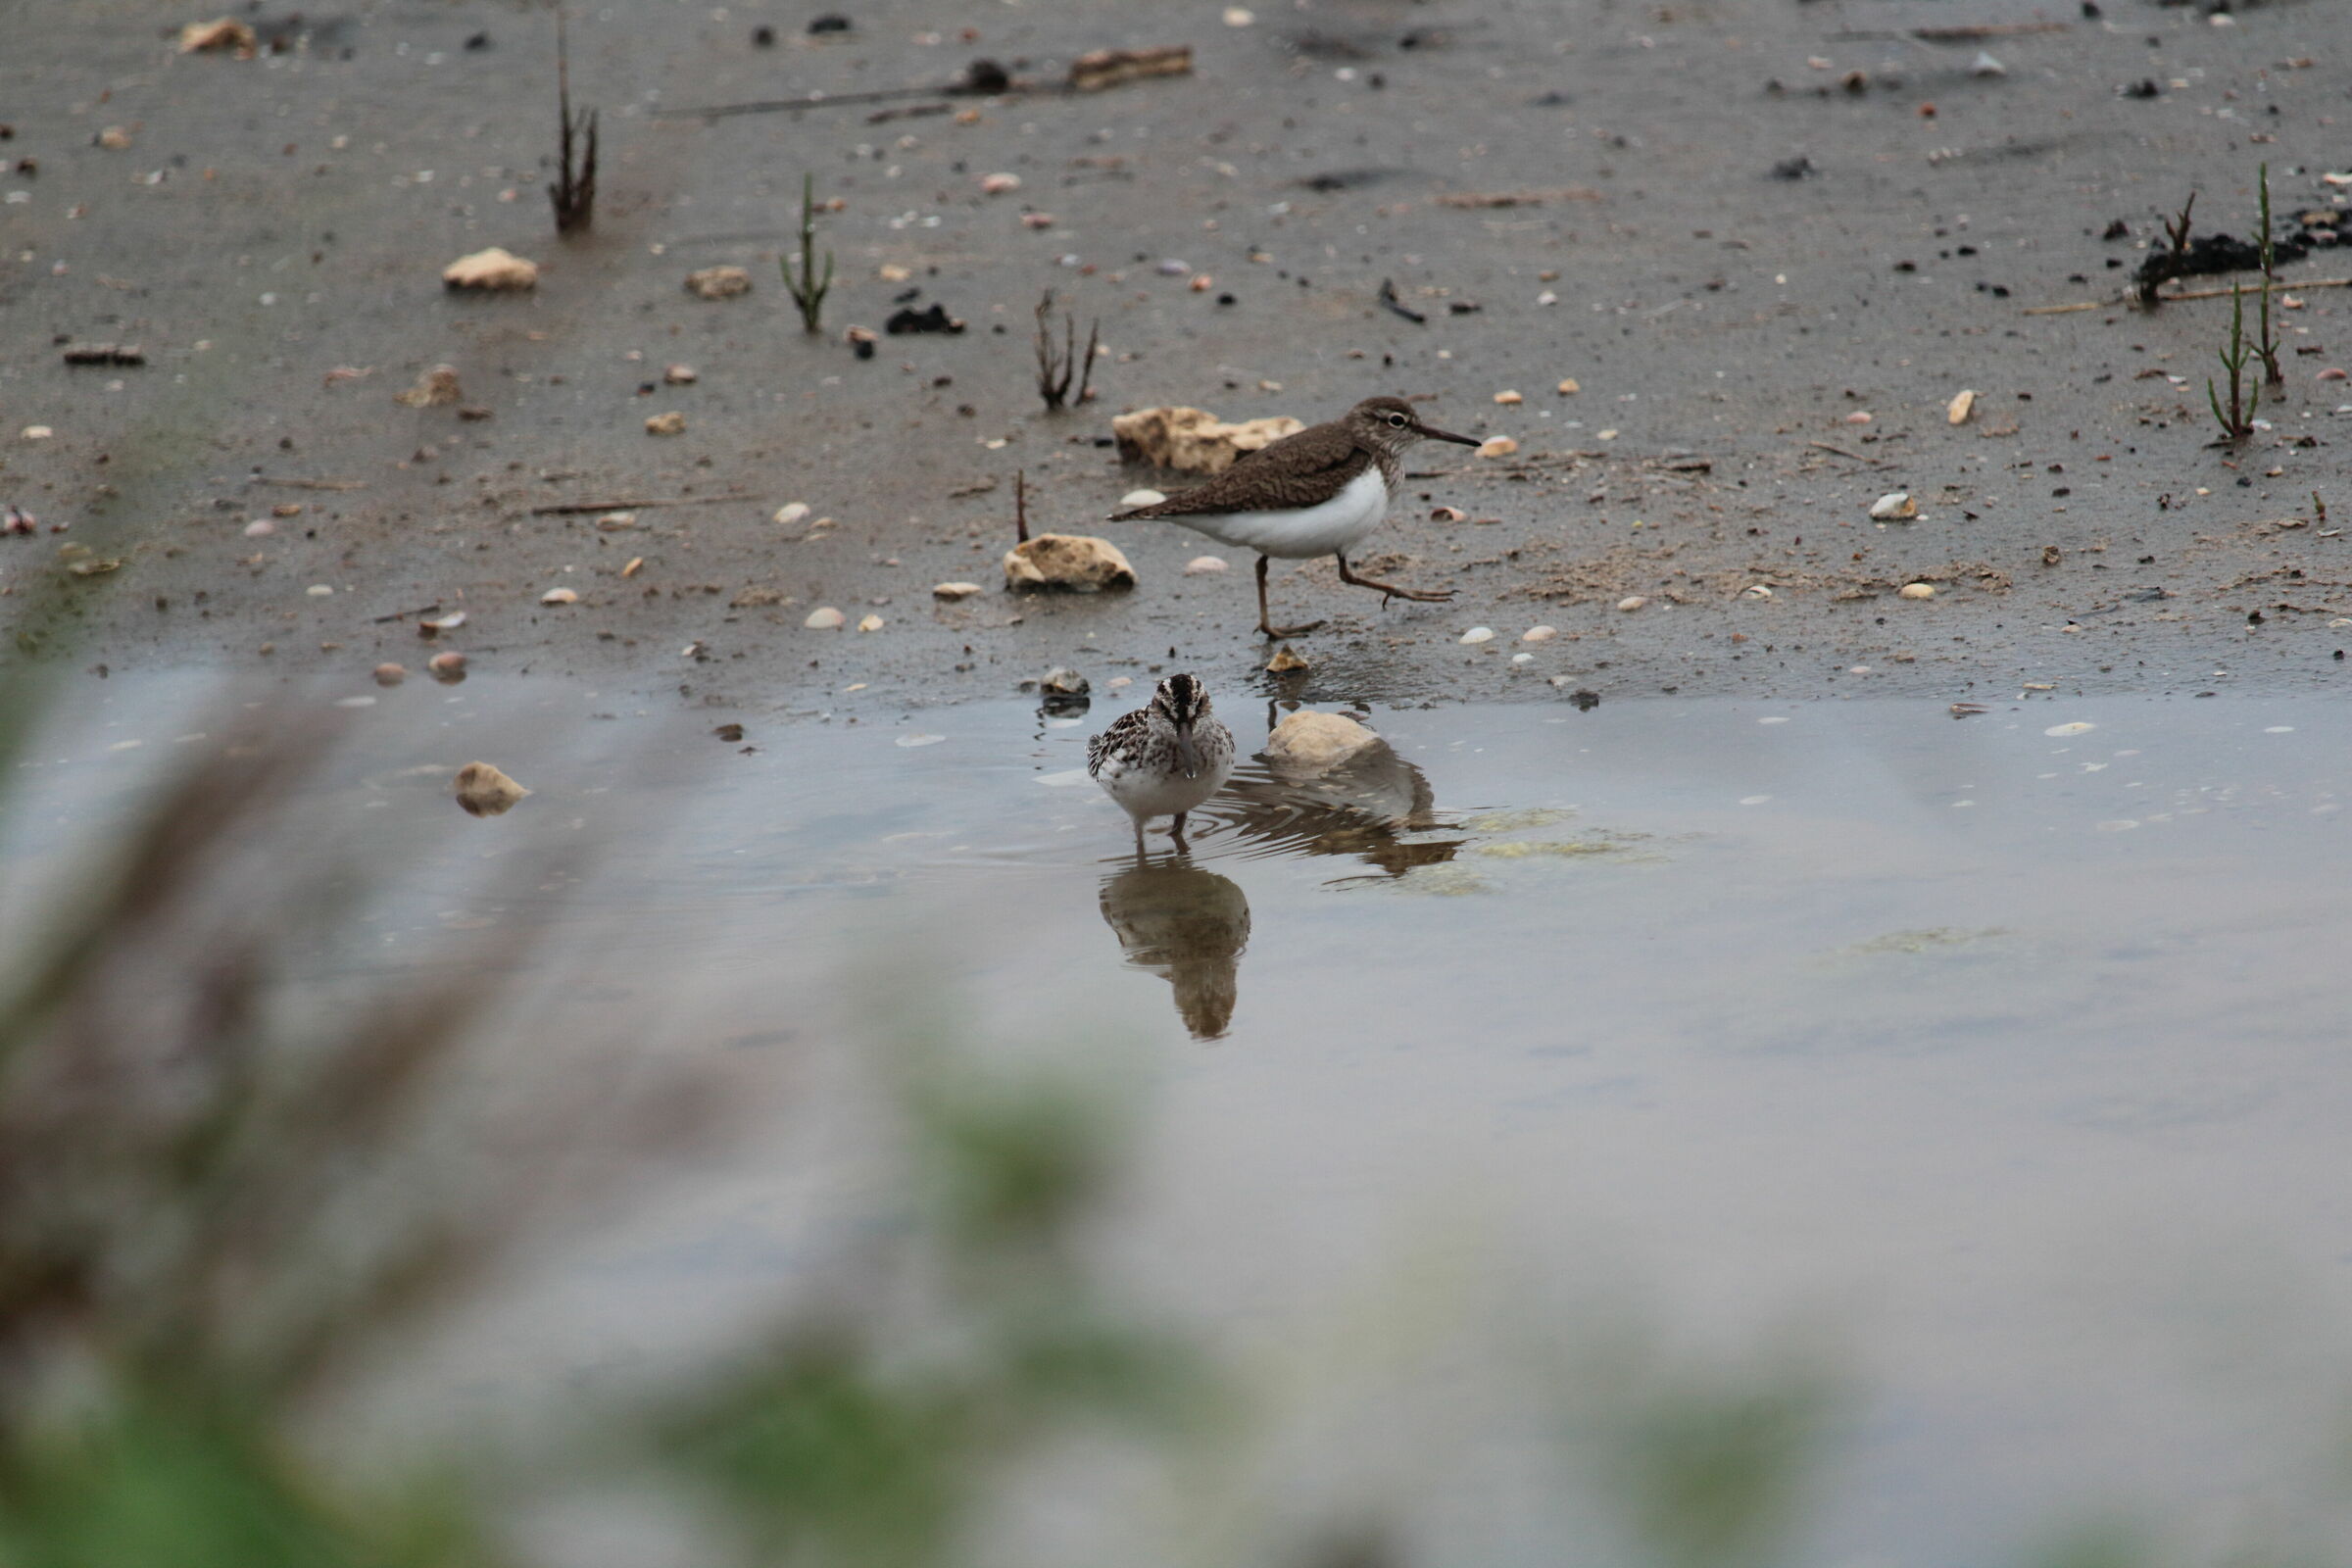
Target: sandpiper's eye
(1396,419)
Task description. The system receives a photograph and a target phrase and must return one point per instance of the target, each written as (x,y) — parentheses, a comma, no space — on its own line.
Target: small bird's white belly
(1304,533)
(1145,794)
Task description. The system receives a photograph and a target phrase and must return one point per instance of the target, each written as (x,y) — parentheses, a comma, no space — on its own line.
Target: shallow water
(2008,1050)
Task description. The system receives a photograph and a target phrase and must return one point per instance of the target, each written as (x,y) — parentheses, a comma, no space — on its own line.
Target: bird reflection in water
(1362,807)
(1186,925)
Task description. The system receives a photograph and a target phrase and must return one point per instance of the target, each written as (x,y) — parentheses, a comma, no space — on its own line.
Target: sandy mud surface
(1768,241)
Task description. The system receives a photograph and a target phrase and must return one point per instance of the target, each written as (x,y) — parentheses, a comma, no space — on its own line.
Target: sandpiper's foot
(1389,590)
(1278,632)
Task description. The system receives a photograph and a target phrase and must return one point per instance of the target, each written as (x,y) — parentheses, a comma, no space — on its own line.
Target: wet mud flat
(1769,244)
(2003,1050)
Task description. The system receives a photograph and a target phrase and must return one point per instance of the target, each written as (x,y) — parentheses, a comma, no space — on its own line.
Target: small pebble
(1142,498)
(682,376)
(825,618)
(671,423)
(953,591)
(1238,15)
(791,512)
(1569,388)
(1918,590)
(448,669)
(318,590)
(1501,446)
(999,184)
(1508,397)
(1539,634)
(1203,566)
(558,596)
(390,674)
(1479,635)
(1632,602)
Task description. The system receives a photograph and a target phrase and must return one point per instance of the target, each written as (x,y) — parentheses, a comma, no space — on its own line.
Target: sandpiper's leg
(1266,626)
(1423,596)
(1176,832)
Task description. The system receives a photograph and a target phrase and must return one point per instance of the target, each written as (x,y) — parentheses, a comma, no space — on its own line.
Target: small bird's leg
(1176,832)
(1423,596)
(1266,626)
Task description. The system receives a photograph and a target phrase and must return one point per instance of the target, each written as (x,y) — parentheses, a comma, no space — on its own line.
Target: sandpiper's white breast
(1303,533)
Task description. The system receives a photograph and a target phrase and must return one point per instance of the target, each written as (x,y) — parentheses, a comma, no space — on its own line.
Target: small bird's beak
(1436,435)
(1188,754)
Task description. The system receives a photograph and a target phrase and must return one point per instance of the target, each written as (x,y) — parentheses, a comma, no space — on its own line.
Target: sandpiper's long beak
(1188,754)
(1436,435)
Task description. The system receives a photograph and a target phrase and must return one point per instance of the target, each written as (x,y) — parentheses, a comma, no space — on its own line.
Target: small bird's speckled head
(1181,700)
(1390,424)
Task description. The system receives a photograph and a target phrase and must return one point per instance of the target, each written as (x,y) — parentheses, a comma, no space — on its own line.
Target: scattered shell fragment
(1238,15)
(682,376)
(1986,65)
(1896,505)
(320,590)
(870,623)
(1858,416)
(671,423)
(200,37)
(1917,590)
(616,521)
(448,669)
(1142,498)
(791,512)
(558,596)
(1477,634)
(754,595)
(1284,662)
(719,282)
(2077,727)
(491,269)
(429,629)
(484,791)
(1449,514)
(1539,634)
(1755,590)
(433,388)
(1963,404)
(1499,446)
(1508,397)
(1307,743)
(1099,68)
(1204,565)
(955,591)
(38,432)
(390,674)
(635,566)
(1078,563)
(999,184)
(1568,387)
(259,528)
(825,618)
(893,272)
(114,138)
(1632,602)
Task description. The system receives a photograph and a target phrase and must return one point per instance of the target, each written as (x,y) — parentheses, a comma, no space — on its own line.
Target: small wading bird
(1311,494)
(1165,758)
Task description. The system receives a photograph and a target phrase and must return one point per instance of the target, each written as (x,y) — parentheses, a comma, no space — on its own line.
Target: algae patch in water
(1920,940)
(1519,821)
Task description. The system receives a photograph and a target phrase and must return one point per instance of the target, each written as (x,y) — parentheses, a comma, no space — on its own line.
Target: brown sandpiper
(1311,494)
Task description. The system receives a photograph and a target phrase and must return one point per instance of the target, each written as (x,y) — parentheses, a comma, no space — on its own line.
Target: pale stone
(1508,397)
(1963,404)
(1142,498)
(953,591)
(1500,445)
(1193,440)
(825,618)
(433,388)
(558,596)
(1479,635)
(1307,743)
(671,423)
(1204,565)
(484,791)
(1918,590)
(791,512)
(719,282)
(1078,563)
(493,268)
(1539,634)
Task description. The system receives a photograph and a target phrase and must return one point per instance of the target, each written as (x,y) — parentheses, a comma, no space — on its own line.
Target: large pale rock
(1308,743)
(484,791)
(494,269)
(1194,440)
(1078,563)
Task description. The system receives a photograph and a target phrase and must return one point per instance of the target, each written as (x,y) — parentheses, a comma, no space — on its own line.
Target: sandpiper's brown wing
(1303,470)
